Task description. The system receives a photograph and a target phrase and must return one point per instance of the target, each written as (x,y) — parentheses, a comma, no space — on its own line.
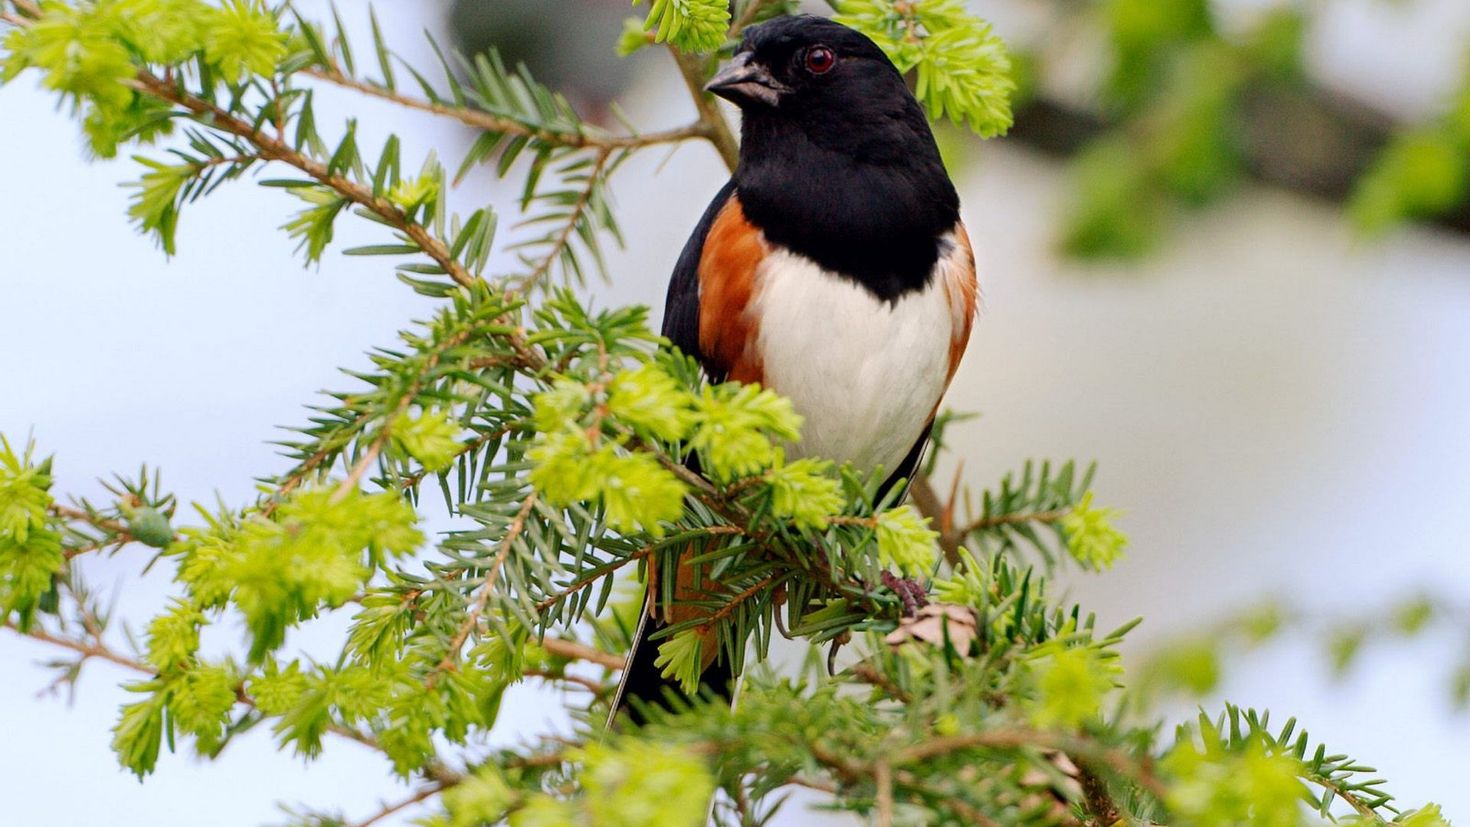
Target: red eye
(820,60)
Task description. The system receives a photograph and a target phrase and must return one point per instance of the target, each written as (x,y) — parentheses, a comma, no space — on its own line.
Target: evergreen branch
(734,602)
(563,238)
(482,599)
(93,649)
(581,651)
(360,467)
(414,478)
(339,439)
(1140,771)
(367,458)
(1015,519)
(310,464)
(588,684)
(489,122)
(692,69)
(601,572)
(114,532)
(273,148)
(99,650)
(419,797)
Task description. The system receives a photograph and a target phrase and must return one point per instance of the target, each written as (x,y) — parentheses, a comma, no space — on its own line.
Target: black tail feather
(643,685)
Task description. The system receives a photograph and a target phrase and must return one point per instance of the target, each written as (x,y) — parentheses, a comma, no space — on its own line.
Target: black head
(837,160)
(804,61)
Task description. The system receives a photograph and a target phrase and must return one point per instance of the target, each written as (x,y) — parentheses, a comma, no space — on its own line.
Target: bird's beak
(745,81)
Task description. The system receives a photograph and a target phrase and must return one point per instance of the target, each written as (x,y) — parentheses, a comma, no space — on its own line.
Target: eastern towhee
(833,268)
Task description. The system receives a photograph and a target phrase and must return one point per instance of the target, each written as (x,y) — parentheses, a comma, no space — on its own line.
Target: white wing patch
(866,374)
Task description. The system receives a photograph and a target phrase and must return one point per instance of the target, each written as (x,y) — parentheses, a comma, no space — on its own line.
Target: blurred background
(1198,269)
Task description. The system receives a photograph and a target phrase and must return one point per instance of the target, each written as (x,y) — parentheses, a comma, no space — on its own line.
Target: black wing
(681,308)
(907,467)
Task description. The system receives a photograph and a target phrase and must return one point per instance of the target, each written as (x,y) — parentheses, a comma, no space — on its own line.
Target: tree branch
(691,67)
(569,228)
(472,620)
(389,809)
(97,649)
(274,149)
(581,651)
(490,122)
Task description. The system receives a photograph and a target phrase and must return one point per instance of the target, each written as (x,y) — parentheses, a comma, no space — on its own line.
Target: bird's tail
(643,685)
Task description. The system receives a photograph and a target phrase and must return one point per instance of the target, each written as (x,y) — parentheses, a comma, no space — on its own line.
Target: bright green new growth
(91,52)
(805,492)
(961,68)
(633,783)
(1220,786)
(1070,683)
(562,442)
(1092,540)
(431,438)
(690,25)
(906,542)
(30,550)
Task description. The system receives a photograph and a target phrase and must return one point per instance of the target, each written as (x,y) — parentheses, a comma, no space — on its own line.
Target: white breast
(866,374)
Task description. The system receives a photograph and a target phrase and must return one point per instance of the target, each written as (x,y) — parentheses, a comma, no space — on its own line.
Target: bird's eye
(820,60)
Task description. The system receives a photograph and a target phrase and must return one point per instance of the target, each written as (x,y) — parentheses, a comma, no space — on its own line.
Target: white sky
(1278,407)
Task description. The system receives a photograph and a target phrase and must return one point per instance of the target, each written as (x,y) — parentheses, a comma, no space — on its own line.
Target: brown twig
(389,809)
(480,119)
(482,599)
(747,17)
(691,68)
(1078,748)
(86,650)
(734,602)
(928,503)
(1096,797)
(883,781)
(1015,519)
(101,651)
(584,582)
(581,651)
(588,684)
(564,238)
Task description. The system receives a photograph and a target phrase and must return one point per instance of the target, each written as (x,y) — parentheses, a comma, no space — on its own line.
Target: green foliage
(1092,540)
(317,549)
(736,428)
(431,438)
(906,542)
(632,783)
(1421,174)
(92,52)
(805,492)
(240,38)
(30,550)
(1070,683)
(1219,787)
(688,25)
(563,442)
(681,658)
(961,68)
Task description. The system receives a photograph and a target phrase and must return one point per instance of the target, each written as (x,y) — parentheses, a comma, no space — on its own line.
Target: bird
(833,268)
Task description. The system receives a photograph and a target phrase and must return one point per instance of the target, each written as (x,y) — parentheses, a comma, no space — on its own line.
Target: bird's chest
(866,374)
